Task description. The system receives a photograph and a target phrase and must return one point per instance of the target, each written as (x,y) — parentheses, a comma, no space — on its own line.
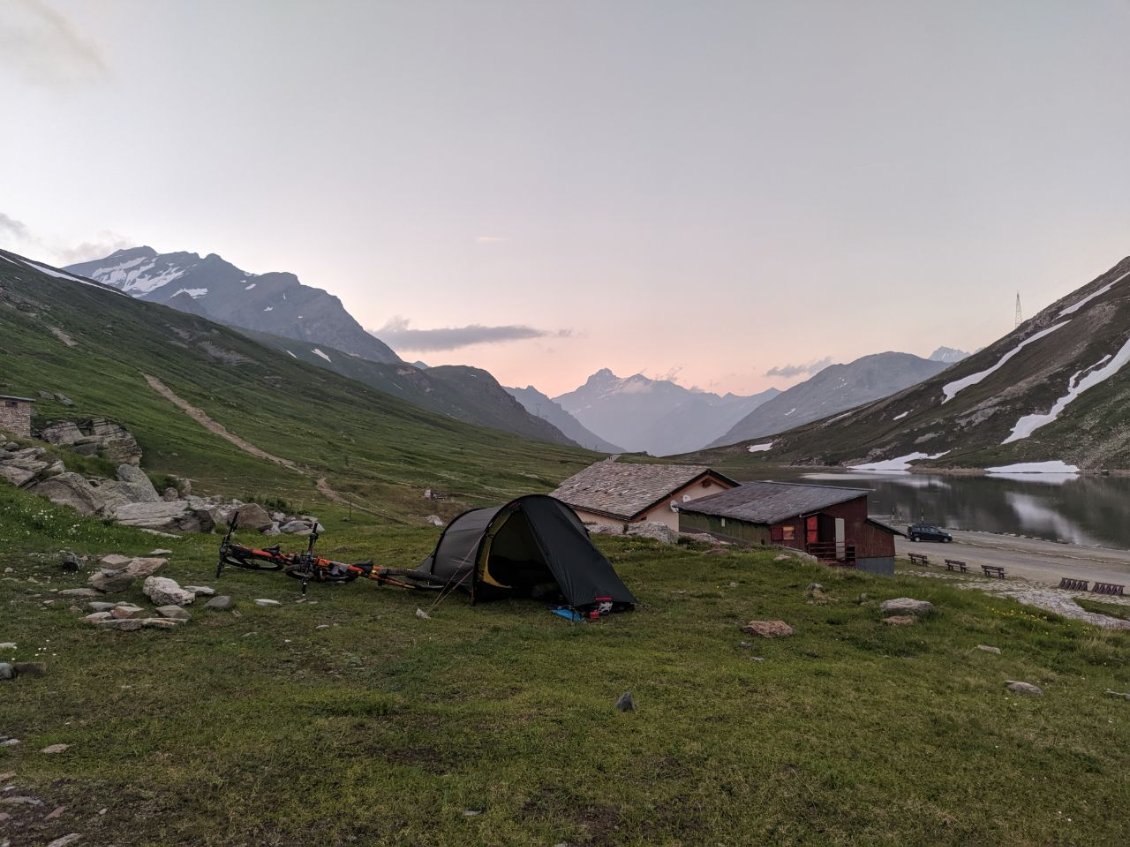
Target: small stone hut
(15,415)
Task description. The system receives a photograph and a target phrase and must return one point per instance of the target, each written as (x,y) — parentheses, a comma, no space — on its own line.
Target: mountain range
(1051,393)
(655,415)
(539,404)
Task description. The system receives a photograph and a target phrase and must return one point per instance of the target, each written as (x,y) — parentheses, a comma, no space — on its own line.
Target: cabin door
(841,540)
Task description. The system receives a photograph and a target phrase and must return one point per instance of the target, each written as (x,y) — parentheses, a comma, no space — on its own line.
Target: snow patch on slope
(900,417)
(62,275)
(133,275)
(760,448)
(1075,386)
(1056,466)
(318,352)
(951,389)
(1076,306)
(194,293)
(899,463)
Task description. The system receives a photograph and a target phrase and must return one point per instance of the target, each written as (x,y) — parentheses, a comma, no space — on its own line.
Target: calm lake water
(1087,510)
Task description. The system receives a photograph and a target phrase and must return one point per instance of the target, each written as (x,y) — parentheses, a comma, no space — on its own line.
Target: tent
(534,546)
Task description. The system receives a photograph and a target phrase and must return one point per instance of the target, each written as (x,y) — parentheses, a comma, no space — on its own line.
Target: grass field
(495,724)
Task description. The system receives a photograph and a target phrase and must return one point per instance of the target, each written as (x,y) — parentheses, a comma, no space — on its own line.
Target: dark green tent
(534,546)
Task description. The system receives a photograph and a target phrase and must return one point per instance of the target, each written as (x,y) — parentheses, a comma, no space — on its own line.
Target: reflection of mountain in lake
(1086,510)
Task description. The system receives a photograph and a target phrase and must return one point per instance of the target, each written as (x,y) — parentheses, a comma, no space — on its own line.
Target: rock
(55,748)
(100,606)
(273,529)
(988,649)
(163,591)
(296,528)
(115,561)
(70,563)
(160,623)
(782,557)
(7,645)
(7,671)
(626,703)
(655,531)
(768,629)
(175,612)
(70,489)
(900,620)
(816,595)
(79,592)
(137,486)
(1024,688)
(1125,695)
(61,432)
(172,516)
(906,606)
(8,742)
(98,617)
(66,840)
(127,610)
(265,602)
(111,582)
(219,604)
(200,590)
(21,801)
(252,516)
(170,493)
(143,566)
(434,520)
(29,668)
(160,553)
(278,517)
(422,615)
(126,625)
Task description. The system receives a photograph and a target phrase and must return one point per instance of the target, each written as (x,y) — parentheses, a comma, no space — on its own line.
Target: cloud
(15,235)
(46,47)
(398,335)
(12,228)
(102,246)
(809,368)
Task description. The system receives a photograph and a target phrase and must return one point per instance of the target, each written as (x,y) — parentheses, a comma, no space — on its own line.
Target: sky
(729,194)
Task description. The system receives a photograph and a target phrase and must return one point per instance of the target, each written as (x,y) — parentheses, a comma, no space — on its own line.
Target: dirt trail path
(201,417)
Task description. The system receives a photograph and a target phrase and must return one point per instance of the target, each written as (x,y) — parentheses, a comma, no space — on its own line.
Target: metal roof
(13,397)
(772,502)
(624,491)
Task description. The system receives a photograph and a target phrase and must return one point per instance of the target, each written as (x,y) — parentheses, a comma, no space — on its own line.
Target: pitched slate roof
(624,491)
(771,502)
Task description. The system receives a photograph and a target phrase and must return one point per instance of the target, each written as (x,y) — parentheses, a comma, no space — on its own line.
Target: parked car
(927,532)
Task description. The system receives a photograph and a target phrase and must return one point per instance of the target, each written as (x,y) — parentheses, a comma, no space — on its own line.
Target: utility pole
(1019,316)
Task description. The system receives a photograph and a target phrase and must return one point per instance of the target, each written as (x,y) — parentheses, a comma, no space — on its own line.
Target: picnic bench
(1108,588)
(956,565)
(918,559)
(993,570)
(1074,584)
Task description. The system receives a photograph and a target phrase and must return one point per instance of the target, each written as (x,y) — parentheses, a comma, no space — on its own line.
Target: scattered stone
(471,813)
(21,801)
(322,626)
(80,592)
(175,612)
(100,606)
(768,629)
(1024,688)
(900,620)
(145,565)
(170,494)
(8,645)
(262,601)
(160,553)
(70,563)
(655,531)
(115,561)
(7,671)
(165,592)
(29,668)
(9,742)
(783,557)
(7,775)
(816,595)
(626,703)
(221,603)
(434,520)
(906,606)
(65,840)
(1125,695)
(56,812)
(55,748)
(126,625)
(994,650)
(297,528)
(111,582)
(200,590)
(863,597)
(422,615)
(160,623)
(98,617)
(252,516)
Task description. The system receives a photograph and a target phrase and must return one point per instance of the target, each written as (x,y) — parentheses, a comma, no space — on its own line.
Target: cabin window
(706,483)
(11,404)
(723,521)
(788,533)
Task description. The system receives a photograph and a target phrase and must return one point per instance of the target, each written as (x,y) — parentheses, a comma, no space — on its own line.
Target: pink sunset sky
(703,190)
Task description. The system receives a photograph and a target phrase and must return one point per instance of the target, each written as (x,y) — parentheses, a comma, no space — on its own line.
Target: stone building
(15,415)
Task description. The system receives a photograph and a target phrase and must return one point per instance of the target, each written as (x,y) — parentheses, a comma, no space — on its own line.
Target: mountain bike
(306,565)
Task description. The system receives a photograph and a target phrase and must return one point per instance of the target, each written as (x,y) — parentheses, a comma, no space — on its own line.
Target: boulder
(174,612)
(136,483)
(296,528)
(655,531)
(70,489)
(125,611)
(98,617)
(906,606)
(170,493)
(163,516)
(252,516)
(141,566)
(220,604)
(768,629)
(163,591)
(15,474)
(61,432)
(114,561)
(1024,688)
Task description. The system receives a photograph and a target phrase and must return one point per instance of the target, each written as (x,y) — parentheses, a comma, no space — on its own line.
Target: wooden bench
(1108,588)
(1074,584)
(993,570)
(956,565)
(918,559)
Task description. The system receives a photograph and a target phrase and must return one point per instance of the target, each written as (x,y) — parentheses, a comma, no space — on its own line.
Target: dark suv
(927,532)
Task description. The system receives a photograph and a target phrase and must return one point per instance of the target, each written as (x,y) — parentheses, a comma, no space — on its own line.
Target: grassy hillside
(495,724)
(96,346)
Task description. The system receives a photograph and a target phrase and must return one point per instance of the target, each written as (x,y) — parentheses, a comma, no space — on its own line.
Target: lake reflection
(1087,510)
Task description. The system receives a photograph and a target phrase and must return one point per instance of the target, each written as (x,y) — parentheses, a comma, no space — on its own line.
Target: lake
(1076,509)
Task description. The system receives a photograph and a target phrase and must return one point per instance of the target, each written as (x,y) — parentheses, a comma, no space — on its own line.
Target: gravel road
(1033,559)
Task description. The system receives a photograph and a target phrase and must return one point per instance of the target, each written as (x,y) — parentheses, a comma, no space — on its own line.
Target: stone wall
(15,416)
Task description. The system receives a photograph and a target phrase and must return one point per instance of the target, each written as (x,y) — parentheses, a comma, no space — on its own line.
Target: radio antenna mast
(1019,316)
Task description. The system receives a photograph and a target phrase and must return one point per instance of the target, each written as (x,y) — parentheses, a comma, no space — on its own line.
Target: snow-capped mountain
(834,389)
(1051,394)
(541,405)
(275,303)
(655,415)
(948,354)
